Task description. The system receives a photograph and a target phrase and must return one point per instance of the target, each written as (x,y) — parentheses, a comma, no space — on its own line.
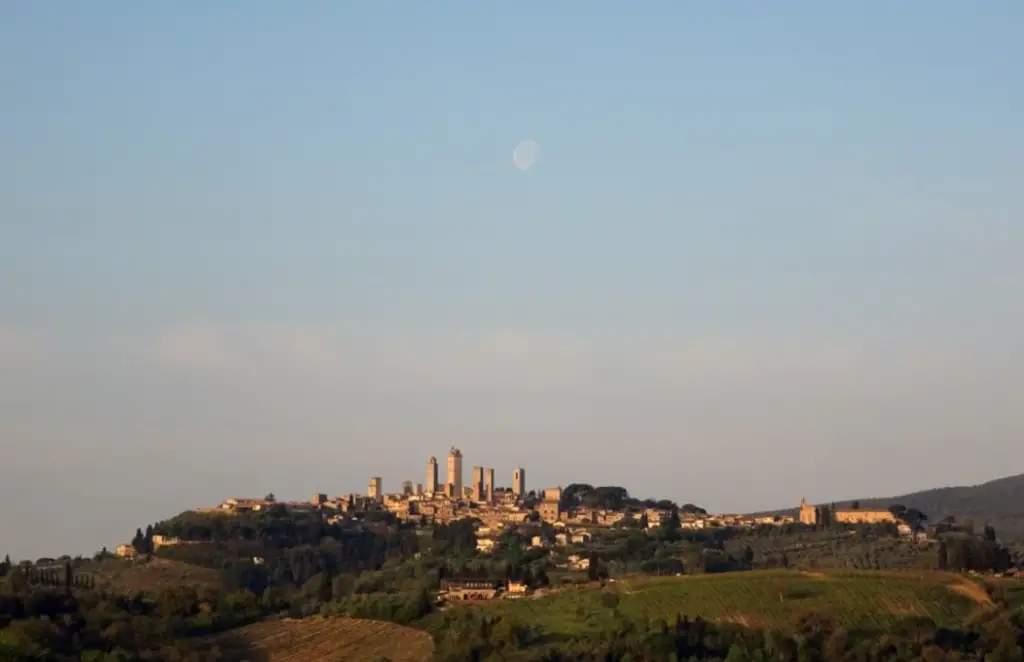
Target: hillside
(998,502)
(130,577)
(315,639)
(869,601)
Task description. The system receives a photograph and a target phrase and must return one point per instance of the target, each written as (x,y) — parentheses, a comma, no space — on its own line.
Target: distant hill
(998,502)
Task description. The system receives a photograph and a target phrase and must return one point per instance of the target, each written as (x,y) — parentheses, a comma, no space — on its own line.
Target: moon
(524,156)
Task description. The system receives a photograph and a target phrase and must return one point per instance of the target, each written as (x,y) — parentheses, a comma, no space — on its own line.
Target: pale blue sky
(261,246)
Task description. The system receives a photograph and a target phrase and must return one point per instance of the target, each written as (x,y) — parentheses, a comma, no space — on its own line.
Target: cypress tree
(139,542)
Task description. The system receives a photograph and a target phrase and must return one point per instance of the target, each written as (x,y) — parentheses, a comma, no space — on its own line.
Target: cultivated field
(316,639)
(129,577)
(866,600)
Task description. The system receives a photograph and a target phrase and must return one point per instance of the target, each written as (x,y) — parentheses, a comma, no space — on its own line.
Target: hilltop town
(496,509)
(447,557)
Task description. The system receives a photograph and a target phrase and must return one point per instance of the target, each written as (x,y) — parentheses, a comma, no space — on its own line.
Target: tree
(855,505)
(270,497)
(990,533)
(593,568)
(325,590)
(573,495)
(737,653)
(914,518)
(608,497)
(673,521)
(149,539)
(139,542)
(643,524)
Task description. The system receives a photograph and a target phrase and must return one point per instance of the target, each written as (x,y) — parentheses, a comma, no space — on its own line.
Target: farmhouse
(810,515)
(469,589)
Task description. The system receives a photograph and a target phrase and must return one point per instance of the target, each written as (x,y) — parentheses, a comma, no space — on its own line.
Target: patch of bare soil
(744,619)
(325,640)
(969,589)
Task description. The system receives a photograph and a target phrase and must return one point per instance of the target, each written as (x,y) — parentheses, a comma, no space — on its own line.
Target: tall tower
(374,490)
(432,475)
(478,484)
(455,472)
(808,513)
(406,487)
(519,482)
(489,485)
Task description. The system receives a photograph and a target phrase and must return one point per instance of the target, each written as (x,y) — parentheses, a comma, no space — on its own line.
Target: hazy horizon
(765,253)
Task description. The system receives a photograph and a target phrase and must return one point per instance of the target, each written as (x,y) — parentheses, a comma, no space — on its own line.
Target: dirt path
(969,589)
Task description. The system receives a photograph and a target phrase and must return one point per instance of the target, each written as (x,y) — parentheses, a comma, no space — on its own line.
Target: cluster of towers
(482,488)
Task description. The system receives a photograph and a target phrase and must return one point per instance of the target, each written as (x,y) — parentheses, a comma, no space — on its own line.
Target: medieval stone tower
(455,472)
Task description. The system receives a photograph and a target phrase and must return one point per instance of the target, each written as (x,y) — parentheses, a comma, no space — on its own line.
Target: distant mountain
(998,502)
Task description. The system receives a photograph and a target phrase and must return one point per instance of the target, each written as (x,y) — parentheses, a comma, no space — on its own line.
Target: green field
(870,601)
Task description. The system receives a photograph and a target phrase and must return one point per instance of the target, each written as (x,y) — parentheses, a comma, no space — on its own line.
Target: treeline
(611,497)
(959,552)
(275,527)
(383,570)
(477,635)
(54,575)
(669,549)
(44,623)
(281,550)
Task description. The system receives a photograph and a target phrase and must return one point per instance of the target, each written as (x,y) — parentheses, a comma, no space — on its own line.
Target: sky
(768,251)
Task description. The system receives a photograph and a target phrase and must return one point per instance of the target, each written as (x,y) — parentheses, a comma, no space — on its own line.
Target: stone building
(858,516)
(489,485)
(549,511)
(455,472)
(432,475)
(811,515)
(470,589)
(374,490)
(478,484)
(519,482)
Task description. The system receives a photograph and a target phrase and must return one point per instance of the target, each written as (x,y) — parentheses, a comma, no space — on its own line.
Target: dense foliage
(300,564)
(39,622)
(992,635)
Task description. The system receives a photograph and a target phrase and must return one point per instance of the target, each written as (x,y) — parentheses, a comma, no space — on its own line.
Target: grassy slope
(129,577)
(857,600)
